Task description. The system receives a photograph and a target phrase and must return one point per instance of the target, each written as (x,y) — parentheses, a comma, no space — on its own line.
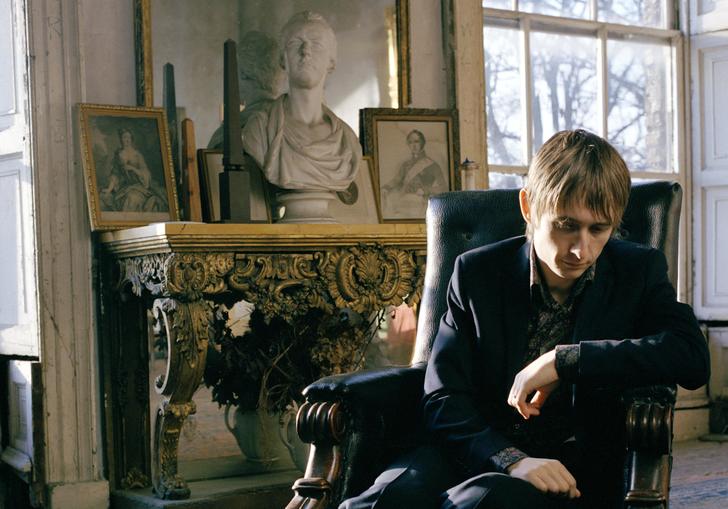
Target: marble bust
(298,142)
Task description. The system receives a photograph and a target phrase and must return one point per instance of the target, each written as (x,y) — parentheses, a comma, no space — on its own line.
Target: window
(609,66)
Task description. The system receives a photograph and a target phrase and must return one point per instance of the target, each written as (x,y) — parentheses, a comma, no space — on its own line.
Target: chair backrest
(463,220)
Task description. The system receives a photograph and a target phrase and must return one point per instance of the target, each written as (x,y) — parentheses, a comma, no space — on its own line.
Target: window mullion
(593,10)
(603,77)
(526,87)
(668,8)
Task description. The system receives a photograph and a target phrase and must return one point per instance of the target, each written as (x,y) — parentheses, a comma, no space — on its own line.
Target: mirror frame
(143,52)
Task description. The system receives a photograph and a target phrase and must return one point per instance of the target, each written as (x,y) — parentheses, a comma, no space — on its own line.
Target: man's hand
(547,475)
(540,377)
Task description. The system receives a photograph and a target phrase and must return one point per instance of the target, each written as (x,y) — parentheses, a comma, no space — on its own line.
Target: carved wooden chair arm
(352,419)
(649,445)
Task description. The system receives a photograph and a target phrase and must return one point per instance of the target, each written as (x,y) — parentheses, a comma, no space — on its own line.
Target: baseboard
(79,495)
(691,423)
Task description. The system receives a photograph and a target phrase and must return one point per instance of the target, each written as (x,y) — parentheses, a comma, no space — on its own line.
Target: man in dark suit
(541,333)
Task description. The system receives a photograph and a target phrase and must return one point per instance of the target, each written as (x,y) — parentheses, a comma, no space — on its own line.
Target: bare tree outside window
(566,83)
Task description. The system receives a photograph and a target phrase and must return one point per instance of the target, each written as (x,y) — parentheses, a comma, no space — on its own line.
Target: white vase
(298,449)
(255,432)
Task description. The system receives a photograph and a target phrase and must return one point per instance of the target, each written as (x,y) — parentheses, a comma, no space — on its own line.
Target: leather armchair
(359,422)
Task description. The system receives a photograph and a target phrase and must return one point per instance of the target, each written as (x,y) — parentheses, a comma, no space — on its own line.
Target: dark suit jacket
(630,329)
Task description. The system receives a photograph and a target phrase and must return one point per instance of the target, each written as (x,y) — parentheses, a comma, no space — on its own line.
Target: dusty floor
(699,475)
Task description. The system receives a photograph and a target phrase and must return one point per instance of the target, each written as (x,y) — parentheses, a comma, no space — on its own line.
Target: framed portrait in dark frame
(127,164)
(414,154)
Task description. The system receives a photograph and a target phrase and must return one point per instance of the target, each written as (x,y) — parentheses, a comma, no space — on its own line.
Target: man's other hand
(539,377)
(547,475)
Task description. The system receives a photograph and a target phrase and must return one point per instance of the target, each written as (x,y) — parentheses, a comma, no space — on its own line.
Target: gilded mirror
(372,67)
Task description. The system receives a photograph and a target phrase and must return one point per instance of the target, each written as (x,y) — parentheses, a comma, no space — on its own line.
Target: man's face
(308,55)
(568,242)
(414,143)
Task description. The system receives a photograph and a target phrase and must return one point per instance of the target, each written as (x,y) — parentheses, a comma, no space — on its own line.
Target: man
(418,178)
(540,336)
(296,140)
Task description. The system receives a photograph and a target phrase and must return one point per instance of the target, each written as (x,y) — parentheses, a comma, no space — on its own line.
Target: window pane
(498,4)
(565,84)
(502,95)
(632,12)
(639,111)
(565,8)
(505,180)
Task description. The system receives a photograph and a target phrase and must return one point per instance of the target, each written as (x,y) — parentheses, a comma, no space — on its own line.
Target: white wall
(82,52)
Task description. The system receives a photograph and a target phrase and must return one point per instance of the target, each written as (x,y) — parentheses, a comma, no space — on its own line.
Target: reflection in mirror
(372,47)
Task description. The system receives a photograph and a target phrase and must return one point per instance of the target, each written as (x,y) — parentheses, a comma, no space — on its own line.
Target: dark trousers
(425,479)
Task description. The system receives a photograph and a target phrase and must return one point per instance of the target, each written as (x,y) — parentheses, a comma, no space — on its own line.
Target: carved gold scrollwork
(365,278)
(186,326)
(362,278)
(143,272)
(285,285)
(134,478)
(190,275)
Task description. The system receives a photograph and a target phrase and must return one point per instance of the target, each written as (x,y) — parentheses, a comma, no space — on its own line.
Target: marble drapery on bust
(298,142)
(291,159)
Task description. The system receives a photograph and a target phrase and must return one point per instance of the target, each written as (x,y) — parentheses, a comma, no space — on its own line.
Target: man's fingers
(547,475)
(538,483)
(571,491)
(555,483)
(539,398)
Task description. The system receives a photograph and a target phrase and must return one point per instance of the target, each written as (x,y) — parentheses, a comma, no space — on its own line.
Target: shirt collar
(541,290)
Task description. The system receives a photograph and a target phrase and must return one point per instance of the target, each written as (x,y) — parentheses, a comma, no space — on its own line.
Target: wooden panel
(715,270)
(714,63)
(9,267)
(709,73)
(18,326)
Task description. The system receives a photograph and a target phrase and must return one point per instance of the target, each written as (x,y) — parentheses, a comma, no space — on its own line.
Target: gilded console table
(175,270)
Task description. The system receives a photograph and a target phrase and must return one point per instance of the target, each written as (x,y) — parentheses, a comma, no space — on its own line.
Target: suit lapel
(590,313)
(517,310)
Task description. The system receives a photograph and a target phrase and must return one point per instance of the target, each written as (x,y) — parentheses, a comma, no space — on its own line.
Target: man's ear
(525,207)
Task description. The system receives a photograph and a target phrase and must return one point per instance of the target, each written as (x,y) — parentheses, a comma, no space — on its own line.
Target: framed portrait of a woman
(127,166)
(415,153)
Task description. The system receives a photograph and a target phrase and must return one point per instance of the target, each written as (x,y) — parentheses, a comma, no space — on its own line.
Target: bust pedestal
(306,206)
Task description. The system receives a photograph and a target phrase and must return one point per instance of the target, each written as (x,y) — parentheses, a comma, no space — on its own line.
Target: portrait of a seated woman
(130,187)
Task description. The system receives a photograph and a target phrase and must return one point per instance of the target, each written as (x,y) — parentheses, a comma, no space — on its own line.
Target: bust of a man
(297,141)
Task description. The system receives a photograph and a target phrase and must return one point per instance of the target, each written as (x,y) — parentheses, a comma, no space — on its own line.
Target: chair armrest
(649,421)
(355,424)
(386,390)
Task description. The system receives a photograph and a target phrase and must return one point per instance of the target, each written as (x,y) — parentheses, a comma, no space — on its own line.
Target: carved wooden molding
(362,278)
(322,425)
(186,326)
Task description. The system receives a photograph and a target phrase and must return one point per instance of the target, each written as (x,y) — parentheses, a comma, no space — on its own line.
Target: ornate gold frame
(143,52)
(90,171)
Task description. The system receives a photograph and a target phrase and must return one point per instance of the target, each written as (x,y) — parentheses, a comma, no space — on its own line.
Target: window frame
(677,40)
(673,38)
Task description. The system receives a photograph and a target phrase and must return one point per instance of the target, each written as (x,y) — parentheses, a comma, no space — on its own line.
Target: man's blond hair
(578,168)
